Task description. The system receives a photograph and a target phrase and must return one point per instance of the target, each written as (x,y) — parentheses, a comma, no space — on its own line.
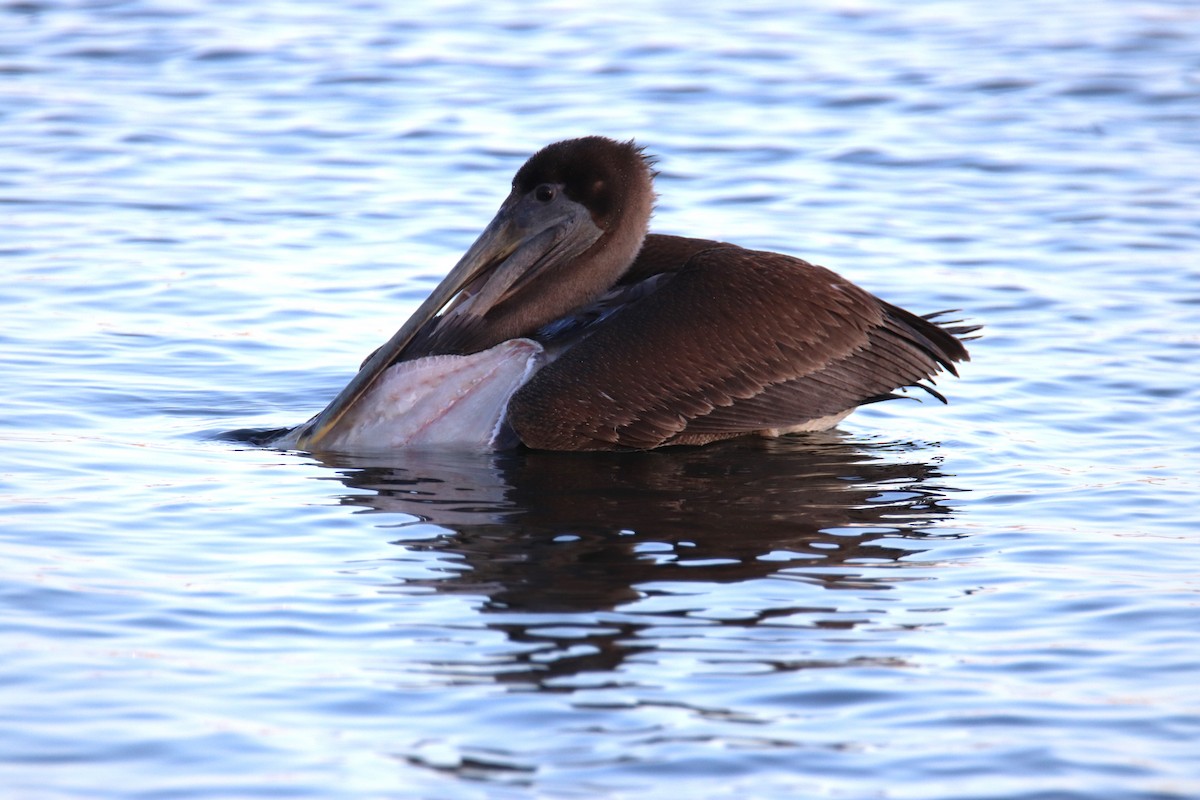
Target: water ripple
(212,212)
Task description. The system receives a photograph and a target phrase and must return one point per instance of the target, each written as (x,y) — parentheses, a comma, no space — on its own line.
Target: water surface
(209,214)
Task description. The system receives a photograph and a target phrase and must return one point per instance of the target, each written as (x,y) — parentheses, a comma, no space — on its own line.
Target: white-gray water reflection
(210,212)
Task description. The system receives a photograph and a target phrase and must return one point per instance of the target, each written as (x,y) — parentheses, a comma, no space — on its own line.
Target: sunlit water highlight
(209,213)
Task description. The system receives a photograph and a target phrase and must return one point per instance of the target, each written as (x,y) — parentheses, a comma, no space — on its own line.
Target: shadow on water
(553,532)
(597,569)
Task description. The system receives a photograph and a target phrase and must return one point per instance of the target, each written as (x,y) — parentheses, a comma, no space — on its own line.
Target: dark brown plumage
(735,341)
(655,340)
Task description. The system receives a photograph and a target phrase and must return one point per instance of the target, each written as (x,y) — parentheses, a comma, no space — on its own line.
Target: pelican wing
(731,341)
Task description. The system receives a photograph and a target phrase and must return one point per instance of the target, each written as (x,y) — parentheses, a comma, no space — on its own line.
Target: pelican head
(574,221)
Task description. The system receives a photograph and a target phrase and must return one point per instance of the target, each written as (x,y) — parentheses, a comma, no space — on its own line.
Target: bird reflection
(589,533)
(545,531)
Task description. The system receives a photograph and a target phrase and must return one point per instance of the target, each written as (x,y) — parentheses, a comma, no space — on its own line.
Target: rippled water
(210,212)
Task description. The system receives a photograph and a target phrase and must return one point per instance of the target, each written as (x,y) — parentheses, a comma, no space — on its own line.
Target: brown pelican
(567,326)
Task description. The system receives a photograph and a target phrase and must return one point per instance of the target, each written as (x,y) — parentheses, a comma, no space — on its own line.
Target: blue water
(211,212)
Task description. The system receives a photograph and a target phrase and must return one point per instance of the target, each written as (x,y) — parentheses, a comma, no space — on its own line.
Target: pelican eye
(544,193)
